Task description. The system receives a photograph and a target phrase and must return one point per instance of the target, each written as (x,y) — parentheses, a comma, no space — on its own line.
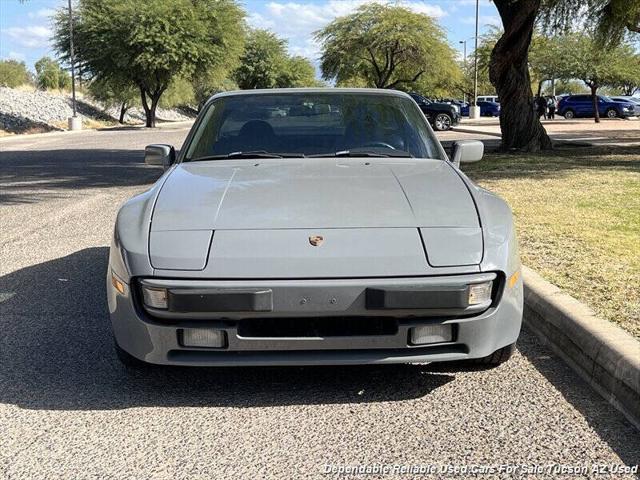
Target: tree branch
(405,80)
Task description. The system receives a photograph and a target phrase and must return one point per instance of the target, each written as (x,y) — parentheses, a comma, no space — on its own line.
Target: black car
(441,116)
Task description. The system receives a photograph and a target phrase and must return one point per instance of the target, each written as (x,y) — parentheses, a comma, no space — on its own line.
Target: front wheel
(443,122)
(569,114)
(612,113)
(498,357)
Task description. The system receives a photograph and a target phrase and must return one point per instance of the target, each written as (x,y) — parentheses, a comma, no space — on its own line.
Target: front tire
(569,114)
(612,113)
(442,122)
(498,357)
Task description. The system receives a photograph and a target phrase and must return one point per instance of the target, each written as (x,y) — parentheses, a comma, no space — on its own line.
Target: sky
(25,28)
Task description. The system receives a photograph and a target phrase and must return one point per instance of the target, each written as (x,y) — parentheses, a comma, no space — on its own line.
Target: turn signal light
(480,293)
(155,297)
(117,284)
(513,278)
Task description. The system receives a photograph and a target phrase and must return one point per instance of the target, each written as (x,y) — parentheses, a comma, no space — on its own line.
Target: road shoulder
(606,356)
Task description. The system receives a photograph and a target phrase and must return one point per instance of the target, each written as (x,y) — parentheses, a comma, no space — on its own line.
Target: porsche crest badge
(316,240)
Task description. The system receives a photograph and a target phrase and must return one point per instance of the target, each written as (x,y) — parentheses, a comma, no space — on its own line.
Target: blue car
(487,109)
(582,106)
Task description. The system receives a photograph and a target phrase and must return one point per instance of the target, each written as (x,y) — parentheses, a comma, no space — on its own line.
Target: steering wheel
(379,144)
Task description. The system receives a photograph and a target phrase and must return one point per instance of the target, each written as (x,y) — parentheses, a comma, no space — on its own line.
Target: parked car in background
(635,100)
(487,109)
(582,106)
(441,116)
(489,98)
(345,236)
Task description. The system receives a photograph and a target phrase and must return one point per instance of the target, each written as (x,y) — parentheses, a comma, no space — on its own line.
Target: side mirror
(467,151)
(159,155)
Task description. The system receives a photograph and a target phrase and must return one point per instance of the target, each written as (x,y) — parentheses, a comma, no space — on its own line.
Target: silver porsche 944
(313,226)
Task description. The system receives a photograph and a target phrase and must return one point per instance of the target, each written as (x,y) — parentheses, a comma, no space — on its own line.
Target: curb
(477,132)
(606,356)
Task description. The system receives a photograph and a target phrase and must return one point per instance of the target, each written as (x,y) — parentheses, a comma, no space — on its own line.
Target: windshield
(312,124)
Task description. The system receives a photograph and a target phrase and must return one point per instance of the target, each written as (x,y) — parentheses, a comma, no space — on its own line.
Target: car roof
(329,90)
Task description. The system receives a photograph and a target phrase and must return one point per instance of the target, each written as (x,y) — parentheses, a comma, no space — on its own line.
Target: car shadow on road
(612,427)
(56,353)
(35,175)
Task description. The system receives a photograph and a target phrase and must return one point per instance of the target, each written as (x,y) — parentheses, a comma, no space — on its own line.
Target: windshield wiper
(364,153)
(250,154)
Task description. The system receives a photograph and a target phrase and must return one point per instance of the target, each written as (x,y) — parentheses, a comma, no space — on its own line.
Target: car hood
(313,193)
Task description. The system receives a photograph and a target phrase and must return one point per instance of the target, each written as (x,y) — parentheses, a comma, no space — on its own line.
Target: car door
(583,105)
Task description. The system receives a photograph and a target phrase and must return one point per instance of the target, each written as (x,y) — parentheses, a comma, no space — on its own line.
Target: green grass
(578,219)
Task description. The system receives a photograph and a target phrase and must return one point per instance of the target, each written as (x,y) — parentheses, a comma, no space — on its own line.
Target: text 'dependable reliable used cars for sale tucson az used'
(314,226)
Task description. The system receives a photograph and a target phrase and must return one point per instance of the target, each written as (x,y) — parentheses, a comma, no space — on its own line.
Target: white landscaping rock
(20,109)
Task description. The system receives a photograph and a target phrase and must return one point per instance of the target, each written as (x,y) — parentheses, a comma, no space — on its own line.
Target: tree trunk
(594,100)
(145,106)
(123,110)
(150,110)
(509,74)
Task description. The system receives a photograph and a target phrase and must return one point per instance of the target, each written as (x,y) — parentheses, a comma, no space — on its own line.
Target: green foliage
(265,63)
(567,57)
(298,71)
(262,62)
(567,86)
(13,73)
(49,75)
(385,46)
(582,57)
(114,92)
(179,93)
(609,20)
(153,42)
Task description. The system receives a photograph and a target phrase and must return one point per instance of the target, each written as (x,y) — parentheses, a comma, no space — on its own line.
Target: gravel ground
(69,410)
(22,109)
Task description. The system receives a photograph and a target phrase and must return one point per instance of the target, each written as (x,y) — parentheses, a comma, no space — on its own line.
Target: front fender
(129,253)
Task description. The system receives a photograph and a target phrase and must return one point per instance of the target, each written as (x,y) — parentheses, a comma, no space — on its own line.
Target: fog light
(431,334)
(203,338)
(155,297)
(480,293)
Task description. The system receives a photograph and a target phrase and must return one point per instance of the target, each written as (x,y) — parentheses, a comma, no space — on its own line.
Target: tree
(151,43)
(265,63)
(114,92)
(179,93)
(262,62)
(509,67)
(13,73)
(49,75)
(628,81)
(585,59)
(384,46)
(546,59)
(298,72)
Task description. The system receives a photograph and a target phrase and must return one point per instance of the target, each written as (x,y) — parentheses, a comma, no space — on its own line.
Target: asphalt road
(69,410)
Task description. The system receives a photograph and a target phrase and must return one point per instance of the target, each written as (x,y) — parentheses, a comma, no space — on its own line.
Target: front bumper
(154,336)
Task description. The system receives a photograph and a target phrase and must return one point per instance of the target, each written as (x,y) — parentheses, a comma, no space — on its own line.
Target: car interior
(312,126)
